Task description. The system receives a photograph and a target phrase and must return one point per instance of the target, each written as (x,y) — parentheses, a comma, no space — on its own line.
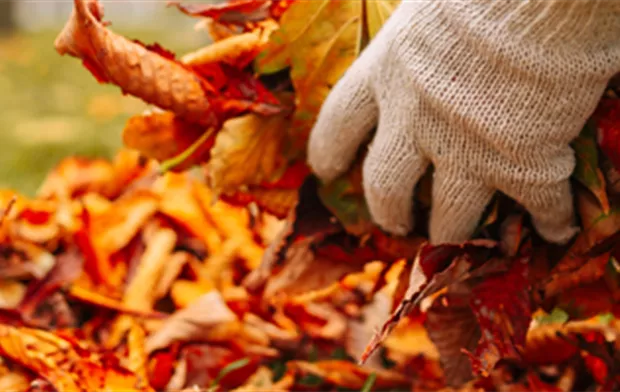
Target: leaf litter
(205,257)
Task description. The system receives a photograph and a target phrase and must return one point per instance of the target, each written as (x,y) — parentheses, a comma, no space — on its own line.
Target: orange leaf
(149,73)
(67,366)
(163,135)
(180,203)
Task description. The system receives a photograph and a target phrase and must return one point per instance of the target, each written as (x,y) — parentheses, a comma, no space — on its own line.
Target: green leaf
(587,170)
(369,383)
(182,157)
(310,380)
(557,315)
(231,367)
(347,203)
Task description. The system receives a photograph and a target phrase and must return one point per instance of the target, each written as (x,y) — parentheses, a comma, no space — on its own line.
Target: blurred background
(50,106)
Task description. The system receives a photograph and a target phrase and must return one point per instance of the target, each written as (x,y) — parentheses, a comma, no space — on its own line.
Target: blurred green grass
(51,107)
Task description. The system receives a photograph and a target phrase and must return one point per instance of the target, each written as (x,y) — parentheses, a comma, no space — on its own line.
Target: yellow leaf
(140,293)
(247,151)
(319,40)
(180,203)
(185,292)
(377,12)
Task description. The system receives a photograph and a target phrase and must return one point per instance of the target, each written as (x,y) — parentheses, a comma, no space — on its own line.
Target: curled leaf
(149,73)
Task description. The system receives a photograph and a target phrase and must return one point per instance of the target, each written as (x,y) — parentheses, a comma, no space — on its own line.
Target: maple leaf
(318,40)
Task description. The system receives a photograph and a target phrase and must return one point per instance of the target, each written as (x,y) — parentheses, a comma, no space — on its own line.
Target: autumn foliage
(204,255)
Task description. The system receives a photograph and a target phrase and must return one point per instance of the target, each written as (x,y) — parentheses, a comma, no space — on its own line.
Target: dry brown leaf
(452,326)
(361,329)
(201,321)
(60,361)
(170,272)
(135,69)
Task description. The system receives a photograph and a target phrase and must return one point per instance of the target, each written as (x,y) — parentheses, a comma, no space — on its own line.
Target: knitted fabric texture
(491,92)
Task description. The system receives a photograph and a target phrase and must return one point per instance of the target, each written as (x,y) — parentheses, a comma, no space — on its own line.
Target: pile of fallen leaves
(205,255)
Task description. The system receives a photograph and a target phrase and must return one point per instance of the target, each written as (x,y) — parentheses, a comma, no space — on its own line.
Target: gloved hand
(490,92)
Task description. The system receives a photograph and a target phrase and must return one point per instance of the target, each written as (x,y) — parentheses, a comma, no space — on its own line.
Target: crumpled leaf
(112,229)
(452,326)
(67,268)
(237,50)
(195,323)
(93,298)
(312,238)
(360,330)
(579,265)
(181,203)
(66,365)
(502,307)
(141,291)
(435,268)
(149,73)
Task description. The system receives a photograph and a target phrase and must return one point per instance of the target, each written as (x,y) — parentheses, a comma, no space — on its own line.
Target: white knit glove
(491,92)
